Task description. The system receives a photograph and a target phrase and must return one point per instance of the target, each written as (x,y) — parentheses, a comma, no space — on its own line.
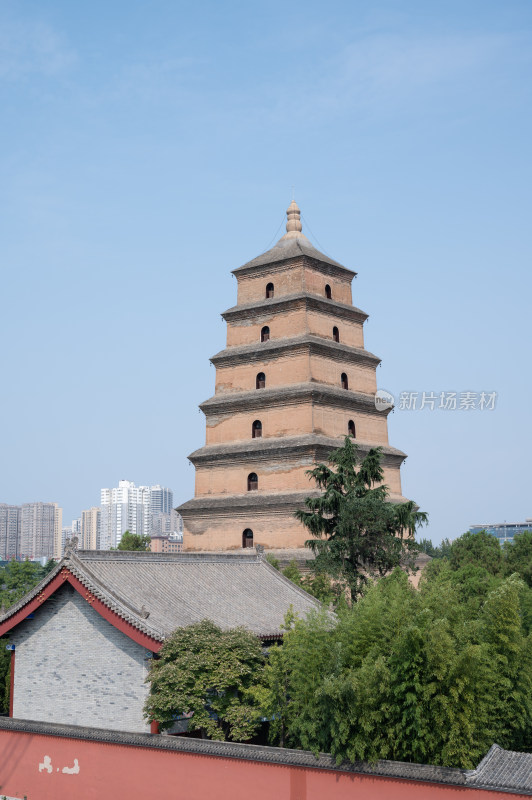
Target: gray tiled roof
(159,592)
(291,248)
(504,770)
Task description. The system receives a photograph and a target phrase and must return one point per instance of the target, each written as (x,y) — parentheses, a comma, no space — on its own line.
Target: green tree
(134,541)
(442,550)
(510,653)
(292,572)
(17,578)
(358,534)
(273,561)
(480,549)
(207,673)
(518,556)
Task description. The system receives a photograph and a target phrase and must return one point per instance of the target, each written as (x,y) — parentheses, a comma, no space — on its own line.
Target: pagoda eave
(307,343)
(291,302)
(313,446)
(295,394)
(261,503)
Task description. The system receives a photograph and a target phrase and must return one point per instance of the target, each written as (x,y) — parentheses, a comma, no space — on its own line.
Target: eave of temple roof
(315,345)
(289,249)
(315,446)
(322,393)
(276,305)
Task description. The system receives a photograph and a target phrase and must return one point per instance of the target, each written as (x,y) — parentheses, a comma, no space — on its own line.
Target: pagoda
(293,381)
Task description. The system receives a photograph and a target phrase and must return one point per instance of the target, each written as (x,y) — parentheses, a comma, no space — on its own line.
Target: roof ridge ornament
(294,228)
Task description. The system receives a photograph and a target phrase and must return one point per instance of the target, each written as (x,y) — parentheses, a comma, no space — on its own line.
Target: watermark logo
(384,400)
(439,401)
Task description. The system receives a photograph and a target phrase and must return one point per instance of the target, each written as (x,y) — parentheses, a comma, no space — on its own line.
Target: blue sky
(149,148)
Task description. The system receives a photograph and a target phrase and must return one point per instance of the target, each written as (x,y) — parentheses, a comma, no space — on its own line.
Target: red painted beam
(66,576)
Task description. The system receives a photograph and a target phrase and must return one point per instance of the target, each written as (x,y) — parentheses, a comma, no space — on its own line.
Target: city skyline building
(90,528)
(10,522)
(504,531)
(128,507)
(166,523)
(40,531)
(162,500)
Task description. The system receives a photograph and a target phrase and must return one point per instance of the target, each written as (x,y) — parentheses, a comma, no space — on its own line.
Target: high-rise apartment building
(166,523)
(10,520)
(90,529)
(58,532)
(40,531)
(128,507)
(162,500)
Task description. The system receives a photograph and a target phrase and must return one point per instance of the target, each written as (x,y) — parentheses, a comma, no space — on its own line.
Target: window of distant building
(256,429)
(351,429)
(345,382)
(247,538)
(336,334)
(261,381)
(265,334)
(328,293)
(253,482)
(269,290)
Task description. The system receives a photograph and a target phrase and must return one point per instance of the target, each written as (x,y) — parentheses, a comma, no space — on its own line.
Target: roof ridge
(141,555)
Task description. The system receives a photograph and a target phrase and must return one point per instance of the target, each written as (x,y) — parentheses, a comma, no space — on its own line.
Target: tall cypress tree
(357,532)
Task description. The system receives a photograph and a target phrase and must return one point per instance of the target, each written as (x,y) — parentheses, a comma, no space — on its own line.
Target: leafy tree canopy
(133,541)
(480,549)
(518,556)
(357,533)
(440,551)
(207,673)
(409,675)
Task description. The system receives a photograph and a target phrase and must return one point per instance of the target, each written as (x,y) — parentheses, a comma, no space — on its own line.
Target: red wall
(118,772)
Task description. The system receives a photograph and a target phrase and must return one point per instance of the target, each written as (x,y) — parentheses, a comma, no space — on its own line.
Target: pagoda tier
(293,381)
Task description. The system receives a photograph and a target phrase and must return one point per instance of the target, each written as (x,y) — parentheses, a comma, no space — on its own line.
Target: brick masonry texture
(74,667)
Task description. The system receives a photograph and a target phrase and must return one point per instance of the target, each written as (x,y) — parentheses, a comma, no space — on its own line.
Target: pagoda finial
(293,222)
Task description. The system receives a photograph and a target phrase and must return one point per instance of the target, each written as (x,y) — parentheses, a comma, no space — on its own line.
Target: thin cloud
(28,48)
(382,71)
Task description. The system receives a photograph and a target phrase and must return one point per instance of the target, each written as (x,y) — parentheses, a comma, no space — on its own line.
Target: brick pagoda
(293,381)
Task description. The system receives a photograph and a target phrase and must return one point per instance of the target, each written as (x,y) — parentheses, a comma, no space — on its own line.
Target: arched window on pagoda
(265,334)
(344,381)
(256,429)
(253,482)
(269,290)
(328,293)
(247,538)
(351,431)
(336,334)
(260,382)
